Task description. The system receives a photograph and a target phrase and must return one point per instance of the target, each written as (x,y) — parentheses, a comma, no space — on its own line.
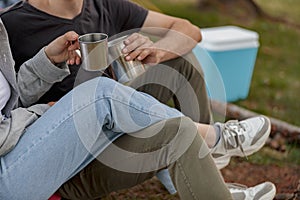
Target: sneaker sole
(222,162)
(268,196)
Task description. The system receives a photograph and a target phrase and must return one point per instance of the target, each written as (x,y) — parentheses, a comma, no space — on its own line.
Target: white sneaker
(240,139)
(263,191)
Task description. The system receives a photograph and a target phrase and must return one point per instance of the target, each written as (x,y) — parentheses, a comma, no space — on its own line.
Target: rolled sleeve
(47,71)
(37,76)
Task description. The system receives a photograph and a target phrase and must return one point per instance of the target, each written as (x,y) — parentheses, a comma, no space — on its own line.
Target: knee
(187,125)
(184,126)
(106,86)
(106,83)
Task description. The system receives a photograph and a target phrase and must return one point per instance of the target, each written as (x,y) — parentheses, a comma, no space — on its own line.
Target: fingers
(137,47)
(73,58)
(71,37)
(68,40)
(72,40)
(58,50)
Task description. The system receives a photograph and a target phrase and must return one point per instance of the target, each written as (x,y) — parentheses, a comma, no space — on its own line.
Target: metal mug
(94,51)
(129,69)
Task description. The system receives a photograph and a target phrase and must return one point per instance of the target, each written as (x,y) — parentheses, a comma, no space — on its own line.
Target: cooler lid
(228,38)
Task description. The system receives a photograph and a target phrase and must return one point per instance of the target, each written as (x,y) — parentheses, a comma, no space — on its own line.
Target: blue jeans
(68,136)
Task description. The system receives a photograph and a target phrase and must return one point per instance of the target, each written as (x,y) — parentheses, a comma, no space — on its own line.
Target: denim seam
(186,180)
(131,105)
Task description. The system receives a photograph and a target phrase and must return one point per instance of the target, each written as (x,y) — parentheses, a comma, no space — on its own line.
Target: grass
(275,83)
(268,156)
(286,9)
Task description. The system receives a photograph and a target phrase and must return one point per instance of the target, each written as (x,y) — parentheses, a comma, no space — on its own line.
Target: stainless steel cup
(130,69)
(94,51)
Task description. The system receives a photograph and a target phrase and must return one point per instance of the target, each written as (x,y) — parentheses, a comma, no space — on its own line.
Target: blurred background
(275,86)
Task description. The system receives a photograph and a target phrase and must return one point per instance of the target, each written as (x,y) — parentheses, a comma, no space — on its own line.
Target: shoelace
(228,131)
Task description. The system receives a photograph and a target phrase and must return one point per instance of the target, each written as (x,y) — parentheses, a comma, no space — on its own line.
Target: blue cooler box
(233,50)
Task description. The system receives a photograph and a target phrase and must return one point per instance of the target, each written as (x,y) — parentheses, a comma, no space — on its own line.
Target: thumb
(70,36)
(71,39)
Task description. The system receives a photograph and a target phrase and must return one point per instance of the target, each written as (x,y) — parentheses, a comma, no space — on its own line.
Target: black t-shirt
(30,29)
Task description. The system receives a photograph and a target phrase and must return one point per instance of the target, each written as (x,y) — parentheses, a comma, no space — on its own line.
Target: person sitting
(43,146)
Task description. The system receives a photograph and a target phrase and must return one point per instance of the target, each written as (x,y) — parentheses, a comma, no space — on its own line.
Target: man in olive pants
(175,140)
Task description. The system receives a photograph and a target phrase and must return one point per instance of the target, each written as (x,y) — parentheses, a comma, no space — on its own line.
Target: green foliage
(286,9)
(276,84)
(268,156)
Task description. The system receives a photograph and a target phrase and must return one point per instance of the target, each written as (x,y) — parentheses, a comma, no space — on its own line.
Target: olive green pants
(132,159)
(181,80)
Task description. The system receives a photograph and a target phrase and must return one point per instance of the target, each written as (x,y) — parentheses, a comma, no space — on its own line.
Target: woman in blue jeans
(41,147)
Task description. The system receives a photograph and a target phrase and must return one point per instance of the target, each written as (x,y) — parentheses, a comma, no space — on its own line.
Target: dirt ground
(286,179)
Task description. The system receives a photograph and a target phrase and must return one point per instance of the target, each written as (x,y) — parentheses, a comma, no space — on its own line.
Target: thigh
(56,146)
(181,80)
(111,172)
(66,138)
(48,154)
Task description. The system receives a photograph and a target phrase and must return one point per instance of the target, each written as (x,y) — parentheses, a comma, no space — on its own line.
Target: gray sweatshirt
(34,78)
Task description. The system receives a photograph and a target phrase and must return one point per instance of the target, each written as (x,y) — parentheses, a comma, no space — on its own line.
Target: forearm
(174,36)
(36,77)
(180,39)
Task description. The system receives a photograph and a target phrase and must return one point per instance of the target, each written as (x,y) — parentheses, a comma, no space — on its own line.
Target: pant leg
(195,177)
(184,78)
(68,136)
(180,79)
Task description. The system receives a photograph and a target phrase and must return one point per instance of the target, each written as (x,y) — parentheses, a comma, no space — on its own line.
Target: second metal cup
(130,69)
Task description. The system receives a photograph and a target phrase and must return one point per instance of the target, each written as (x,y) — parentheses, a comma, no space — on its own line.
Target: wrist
(52,59)
(162,53)
(48,56)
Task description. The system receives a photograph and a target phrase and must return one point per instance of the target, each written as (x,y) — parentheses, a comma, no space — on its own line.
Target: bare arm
(177,37)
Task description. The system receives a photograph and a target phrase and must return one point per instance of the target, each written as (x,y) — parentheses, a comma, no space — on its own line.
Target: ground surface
(286,179)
